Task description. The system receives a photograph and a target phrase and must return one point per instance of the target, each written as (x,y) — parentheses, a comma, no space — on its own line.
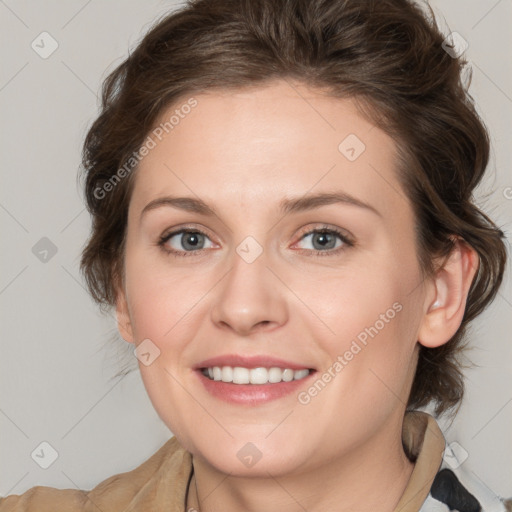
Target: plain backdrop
(57,360)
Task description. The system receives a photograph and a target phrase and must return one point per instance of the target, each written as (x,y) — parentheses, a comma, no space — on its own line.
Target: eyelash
(347,242)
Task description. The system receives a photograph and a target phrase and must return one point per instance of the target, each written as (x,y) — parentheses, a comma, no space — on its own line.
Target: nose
(250,298)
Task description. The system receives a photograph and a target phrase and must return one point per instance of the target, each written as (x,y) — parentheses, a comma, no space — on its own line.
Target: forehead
(257,144)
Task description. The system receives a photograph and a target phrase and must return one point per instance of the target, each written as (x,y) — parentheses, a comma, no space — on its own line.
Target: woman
(281,195)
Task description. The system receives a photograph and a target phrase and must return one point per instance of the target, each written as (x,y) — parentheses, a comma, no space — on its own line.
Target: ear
(124,324)
(446,302)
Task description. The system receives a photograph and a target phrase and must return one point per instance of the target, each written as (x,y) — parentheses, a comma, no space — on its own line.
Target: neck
(371,477)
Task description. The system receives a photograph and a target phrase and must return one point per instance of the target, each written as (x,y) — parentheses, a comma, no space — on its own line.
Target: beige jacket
(160,483)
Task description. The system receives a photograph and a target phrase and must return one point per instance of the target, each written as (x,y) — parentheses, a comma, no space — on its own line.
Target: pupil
(324,239)
(191,240)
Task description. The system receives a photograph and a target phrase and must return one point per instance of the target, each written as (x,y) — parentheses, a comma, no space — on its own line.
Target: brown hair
(386,54)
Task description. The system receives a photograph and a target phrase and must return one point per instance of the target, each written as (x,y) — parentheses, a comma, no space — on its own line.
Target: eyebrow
(286,206)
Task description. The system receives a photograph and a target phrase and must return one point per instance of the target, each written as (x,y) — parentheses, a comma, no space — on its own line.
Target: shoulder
(44,499)
(114,493)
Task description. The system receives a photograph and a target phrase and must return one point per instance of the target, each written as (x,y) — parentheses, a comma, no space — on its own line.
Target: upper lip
(261,361)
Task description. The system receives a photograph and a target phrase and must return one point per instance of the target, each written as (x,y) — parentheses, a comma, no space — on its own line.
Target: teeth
(257,375)
(217,373)
(227,374)
(240,375)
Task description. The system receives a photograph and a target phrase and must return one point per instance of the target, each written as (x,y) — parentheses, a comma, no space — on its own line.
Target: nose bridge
(250,296)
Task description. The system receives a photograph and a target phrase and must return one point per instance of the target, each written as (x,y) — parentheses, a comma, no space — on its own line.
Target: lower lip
(251,394)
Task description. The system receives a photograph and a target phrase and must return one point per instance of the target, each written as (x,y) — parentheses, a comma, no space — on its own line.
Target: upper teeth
(240,375)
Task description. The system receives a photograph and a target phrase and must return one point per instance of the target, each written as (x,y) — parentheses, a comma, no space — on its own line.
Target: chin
(250,459)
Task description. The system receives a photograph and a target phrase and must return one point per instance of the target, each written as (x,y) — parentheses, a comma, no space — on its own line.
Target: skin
(242,153)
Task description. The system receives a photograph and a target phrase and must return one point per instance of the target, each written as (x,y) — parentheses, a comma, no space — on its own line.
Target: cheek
(161,298)
(348,302)
(369,328)
(164,306)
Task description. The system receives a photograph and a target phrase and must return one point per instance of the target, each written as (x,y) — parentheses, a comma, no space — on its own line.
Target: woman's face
(259,278)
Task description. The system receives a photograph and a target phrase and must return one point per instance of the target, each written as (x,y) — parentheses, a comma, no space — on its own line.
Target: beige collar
(424,444)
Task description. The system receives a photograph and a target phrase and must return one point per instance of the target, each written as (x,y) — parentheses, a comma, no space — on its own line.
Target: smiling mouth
(241,375)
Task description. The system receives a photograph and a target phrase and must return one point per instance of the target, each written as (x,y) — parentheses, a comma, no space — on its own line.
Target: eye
(326,241)
(185,242)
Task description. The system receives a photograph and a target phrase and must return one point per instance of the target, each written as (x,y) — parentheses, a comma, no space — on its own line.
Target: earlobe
(123,317)
(451,284)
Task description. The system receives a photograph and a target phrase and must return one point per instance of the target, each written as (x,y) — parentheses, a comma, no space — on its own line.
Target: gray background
(57,358)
